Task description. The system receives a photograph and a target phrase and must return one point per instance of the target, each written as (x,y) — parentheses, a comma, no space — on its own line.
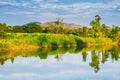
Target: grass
(97,41)
(35,40)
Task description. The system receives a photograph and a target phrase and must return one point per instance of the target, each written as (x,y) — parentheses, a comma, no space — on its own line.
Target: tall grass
(33,40)
(58,40)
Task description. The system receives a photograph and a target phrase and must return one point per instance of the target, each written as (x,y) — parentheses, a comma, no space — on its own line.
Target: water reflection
(99,55)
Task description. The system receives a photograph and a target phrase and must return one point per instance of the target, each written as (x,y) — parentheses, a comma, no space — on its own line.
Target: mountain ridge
(65,25)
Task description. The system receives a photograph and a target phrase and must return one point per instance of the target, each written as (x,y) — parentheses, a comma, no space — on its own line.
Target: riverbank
(41,40)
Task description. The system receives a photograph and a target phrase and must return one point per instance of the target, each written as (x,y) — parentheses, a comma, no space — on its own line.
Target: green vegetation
(33,40)
(57,35)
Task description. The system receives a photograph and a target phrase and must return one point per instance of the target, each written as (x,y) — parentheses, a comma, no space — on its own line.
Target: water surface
(81,63)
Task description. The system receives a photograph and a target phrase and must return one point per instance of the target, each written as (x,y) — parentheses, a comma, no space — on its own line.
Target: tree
(85,32)
(105,31)
(96,26)
(32,28)
(28,28)
(58,21)
(58,25)
(3,30)
(17,29)
(115,33)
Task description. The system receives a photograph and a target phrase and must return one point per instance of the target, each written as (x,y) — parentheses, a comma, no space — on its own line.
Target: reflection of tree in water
(114,53)
(84,54)
(2,61)
(105,55)
(95,60)
(58,57)
(95,57)
(43,55)
(12,60)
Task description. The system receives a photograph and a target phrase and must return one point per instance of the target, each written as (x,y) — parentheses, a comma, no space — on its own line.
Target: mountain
(38,23)
(72,26)
(65,25)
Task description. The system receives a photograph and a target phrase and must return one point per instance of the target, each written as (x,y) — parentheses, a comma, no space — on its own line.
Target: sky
(19,12)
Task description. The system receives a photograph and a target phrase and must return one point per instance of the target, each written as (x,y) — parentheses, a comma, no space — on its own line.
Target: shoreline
(33,41)
(60,46)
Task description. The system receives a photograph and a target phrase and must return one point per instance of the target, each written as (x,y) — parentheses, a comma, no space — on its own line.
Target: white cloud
(62,73)
(38,0)
(25,4)
(46,0)
(23,74)
(19,13)
(79,6)
(68,9)
(52,0)
(2,3)
(75,9)
(1,75)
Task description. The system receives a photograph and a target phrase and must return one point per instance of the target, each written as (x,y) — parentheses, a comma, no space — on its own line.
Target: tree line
(97,29)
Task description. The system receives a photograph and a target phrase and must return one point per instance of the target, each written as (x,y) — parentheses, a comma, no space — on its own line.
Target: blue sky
(18,12)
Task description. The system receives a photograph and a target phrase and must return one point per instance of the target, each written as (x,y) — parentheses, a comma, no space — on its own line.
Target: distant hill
(33,23)
(66,25)
(72,25)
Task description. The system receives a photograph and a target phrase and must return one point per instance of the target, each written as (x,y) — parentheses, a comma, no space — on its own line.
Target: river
(80,63)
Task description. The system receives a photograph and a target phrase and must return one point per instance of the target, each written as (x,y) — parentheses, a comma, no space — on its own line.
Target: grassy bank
(36,40)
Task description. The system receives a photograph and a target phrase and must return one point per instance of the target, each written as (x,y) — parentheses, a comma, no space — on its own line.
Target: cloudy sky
(18,12)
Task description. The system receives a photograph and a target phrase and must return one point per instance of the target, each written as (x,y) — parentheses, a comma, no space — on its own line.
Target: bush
(2,34)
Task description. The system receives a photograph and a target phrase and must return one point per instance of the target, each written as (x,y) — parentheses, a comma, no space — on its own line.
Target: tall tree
(58,25)
(96,26)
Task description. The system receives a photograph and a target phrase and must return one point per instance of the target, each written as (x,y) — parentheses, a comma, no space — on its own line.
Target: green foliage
(17,40)
(105,31)
(2,34)
(28,28)
(96,26)
(115,33)
(85,32)
(3,30)
(3,45)
(56,40)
